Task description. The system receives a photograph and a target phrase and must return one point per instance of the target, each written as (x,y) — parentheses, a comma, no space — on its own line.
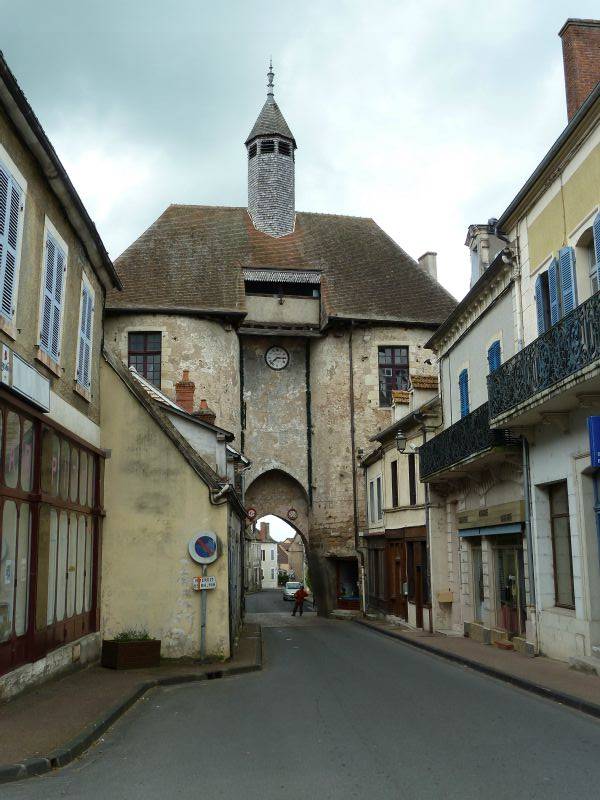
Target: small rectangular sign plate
(208,582)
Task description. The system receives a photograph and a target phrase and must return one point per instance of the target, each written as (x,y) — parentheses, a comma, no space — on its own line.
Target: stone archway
(277,492)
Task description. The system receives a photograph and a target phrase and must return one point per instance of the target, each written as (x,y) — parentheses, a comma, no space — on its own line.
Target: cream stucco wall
(154,503)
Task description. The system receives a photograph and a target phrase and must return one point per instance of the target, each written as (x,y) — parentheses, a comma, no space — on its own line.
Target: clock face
(277,357)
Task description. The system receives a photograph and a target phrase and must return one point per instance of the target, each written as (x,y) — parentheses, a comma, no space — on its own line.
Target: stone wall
(208,349)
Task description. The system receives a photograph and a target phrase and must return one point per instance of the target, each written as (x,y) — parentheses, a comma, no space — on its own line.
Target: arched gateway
(295,328)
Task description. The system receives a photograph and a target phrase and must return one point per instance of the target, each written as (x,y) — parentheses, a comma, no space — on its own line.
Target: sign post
(204,549)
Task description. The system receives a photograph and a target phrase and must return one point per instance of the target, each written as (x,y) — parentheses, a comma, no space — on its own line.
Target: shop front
(398,575)
(50,509)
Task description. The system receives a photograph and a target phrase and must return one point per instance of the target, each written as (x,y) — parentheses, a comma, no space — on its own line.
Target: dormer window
(284,148)
(252,150)
(268,146)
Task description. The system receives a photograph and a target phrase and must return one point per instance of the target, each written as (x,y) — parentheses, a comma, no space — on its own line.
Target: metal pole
(203,618)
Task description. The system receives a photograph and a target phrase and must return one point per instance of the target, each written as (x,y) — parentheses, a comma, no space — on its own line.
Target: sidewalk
(544,676)
(54,723)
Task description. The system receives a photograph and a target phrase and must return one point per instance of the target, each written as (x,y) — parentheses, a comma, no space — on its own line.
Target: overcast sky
(425,115)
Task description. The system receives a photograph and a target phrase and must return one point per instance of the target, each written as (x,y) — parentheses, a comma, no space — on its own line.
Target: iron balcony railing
(466,438)
(567,347)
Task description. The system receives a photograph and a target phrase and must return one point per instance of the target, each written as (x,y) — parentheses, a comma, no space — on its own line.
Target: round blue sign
(205,546)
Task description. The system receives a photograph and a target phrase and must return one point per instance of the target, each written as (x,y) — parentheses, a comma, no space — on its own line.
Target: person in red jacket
(299,597)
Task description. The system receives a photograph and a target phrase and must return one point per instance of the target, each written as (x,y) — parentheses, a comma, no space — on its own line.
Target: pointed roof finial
(270,76)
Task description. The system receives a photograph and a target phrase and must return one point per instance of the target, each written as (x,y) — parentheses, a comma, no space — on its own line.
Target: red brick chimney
(581,58)
(205,413)
(184,392)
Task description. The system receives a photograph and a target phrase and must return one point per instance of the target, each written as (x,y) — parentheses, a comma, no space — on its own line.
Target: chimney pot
(205,413)
(184,392)
(581,59)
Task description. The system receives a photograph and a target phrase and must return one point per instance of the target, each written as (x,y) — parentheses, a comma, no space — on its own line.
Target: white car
(290,589)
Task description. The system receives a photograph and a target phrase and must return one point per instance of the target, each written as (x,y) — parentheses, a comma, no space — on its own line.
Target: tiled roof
(193,259)
(270,122)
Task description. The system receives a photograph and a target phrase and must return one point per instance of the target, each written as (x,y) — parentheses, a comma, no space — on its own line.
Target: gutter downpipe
(360,555)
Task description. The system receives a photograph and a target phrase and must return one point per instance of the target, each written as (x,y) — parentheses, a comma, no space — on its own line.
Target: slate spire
(270,146)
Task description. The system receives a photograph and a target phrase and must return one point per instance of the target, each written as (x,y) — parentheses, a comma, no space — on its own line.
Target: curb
(522,683)
(62,756)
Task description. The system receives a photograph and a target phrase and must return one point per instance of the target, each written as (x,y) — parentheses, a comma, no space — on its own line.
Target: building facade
(54,275)
(292,326)
(395,539)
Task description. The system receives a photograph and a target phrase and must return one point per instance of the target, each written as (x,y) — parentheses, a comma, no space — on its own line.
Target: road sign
(206,582)
(204,547)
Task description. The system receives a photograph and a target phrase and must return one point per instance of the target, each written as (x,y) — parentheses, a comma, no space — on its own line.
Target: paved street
(339,711)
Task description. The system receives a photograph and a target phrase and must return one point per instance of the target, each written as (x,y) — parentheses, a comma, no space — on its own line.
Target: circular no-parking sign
(204,547)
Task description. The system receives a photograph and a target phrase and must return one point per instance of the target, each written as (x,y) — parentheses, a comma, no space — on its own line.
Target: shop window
(564,594)
(393,372)
(7,575)
(12,450)
(394,476)
(145,355)
(478,596)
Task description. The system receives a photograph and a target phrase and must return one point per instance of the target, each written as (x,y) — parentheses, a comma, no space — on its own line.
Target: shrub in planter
(131,649)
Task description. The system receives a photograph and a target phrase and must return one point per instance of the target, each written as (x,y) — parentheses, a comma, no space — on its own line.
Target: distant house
(268,558)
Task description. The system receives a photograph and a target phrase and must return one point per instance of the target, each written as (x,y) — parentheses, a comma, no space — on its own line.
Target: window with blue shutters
(553,291)
(568,280)
(84,348)
(51,317)
(463,386)
(494,355)
(11,208)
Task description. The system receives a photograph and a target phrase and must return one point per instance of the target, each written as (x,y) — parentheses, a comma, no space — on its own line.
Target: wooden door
(396,557)
(420,565)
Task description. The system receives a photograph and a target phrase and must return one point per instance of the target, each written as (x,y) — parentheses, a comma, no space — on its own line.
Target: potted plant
(131,649)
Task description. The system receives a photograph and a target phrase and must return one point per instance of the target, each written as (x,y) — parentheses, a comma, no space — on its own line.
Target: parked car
(290,589)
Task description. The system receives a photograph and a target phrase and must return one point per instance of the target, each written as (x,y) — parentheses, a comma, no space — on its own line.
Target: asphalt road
(339,711)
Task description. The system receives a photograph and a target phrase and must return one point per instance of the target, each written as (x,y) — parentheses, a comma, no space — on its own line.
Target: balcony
(552,375)
(450,452)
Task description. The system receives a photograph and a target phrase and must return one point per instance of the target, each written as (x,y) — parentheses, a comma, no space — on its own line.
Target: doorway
(510,589)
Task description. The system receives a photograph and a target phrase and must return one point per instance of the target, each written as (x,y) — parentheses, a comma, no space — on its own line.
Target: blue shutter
(85,338)
(553,280)
(10,208)
(52,300)
(494,355)
(463,385)
(568,279)
(596,230)
(539,305)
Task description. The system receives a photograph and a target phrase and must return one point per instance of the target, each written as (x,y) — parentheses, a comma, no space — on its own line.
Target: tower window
(284,148)
(145,355)
(393,372)
(252,150)
(267,146)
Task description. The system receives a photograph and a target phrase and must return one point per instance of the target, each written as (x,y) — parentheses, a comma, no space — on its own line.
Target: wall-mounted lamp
(400,442)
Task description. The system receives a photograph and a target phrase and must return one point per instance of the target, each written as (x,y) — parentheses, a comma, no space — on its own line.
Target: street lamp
(400,442)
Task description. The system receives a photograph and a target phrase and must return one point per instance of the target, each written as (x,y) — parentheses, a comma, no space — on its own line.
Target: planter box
(130,655)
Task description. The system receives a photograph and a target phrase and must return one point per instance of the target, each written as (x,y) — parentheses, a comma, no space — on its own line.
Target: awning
(492,530)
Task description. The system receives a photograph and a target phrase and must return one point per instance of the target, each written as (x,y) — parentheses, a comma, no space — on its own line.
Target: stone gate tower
(271,147)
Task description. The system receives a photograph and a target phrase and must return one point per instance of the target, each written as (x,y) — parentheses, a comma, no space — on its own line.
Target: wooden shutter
(494,355)
(10,209)
(539,305)
(85,338)
(52,300)
(463,385)
(596,231)
(568,279)
(553,284)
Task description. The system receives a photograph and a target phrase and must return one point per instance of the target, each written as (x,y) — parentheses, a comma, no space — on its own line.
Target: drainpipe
(360,555)
(528,536)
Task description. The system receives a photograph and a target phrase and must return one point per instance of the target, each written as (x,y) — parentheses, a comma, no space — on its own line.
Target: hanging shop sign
(594,431)
(204,547)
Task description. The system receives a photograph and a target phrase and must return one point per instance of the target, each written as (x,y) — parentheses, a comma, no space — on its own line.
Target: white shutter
(85,338)
(52,299)
(10,209)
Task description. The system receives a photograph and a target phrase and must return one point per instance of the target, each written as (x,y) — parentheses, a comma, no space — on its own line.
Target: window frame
(562,515)
(50,231)
(395,367)
(145,353)
(17,177)
(85,285)
(412,479)
(394,483)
